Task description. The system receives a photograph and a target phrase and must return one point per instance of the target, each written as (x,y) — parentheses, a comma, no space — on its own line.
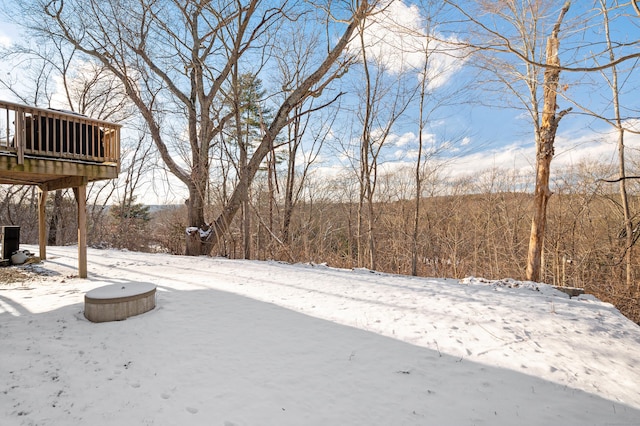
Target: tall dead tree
(498,42)
(545,149)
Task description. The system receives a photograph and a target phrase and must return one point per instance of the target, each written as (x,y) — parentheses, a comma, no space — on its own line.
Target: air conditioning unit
(10,239)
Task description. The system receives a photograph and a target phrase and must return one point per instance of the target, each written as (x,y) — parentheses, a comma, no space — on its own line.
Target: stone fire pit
(117,302)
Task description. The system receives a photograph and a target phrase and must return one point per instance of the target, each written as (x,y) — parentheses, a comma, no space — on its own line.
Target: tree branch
(505,44)
(618,180)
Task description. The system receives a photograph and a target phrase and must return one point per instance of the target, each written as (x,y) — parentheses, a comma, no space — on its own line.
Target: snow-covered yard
(265,343)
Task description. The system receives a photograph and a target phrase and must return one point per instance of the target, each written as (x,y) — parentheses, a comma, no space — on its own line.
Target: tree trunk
(373,261)
(294,143)
(195,213)
(544,151)
(416,217)
(288,199)
(305,89)
(540,200)
(624,198)
(365,165)
(55,237)
(246,214)
(272,183)
(418,174)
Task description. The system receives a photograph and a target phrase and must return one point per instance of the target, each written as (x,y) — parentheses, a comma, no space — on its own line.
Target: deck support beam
(62,183)
(81,200)
(42,223)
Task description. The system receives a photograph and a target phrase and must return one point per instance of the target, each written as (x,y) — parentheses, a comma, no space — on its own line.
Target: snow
(234,342)
(192,230)
(114,291)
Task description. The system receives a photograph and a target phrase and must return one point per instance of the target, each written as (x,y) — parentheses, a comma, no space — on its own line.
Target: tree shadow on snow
(205,355)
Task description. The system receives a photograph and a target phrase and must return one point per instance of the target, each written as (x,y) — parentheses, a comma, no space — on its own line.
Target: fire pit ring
(116,302)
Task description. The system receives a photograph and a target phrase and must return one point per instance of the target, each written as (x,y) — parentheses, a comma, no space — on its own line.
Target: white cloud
(402,140)
(398,40)
(81,71)
(8,33)
(407,155)
(517,160)
(394,37)
(570,149)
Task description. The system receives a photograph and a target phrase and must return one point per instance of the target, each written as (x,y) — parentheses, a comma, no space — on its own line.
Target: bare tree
(384,98)
(503,44)
(309,122)
(510,50)
(545,149)
(245,97)
(617,122)
(173,59)
(623,95)
(429,74)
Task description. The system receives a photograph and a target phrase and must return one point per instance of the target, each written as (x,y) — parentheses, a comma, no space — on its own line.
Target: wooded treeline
(467,228)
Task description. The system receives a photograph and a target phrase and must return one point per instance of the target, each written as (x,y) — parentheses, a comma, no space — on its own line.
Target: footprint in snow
(192,410)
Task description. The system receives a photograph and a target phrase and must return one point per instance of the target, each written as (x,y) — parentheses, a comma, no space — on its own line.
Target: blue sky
(489,136)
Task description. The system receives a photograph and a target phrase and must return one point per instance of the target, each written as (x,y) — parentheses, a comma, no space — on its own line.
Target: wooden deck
(55,149)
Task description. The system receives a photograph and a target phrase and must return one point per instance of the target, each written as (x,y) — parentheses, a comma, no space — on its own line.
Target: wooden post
(81,200)
(20,135)
(42,223)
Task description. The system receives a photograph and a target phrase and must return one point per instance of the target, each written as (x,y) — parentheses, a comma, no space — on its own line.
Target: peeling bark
(545,151)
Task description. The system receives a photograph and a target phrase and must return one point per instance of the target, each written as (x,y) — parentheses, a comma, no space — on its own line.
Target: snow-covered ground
(264,343)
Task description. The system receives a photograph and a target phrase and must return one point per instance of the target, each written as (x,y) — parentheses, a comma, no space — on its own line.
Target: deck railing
(51,133)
